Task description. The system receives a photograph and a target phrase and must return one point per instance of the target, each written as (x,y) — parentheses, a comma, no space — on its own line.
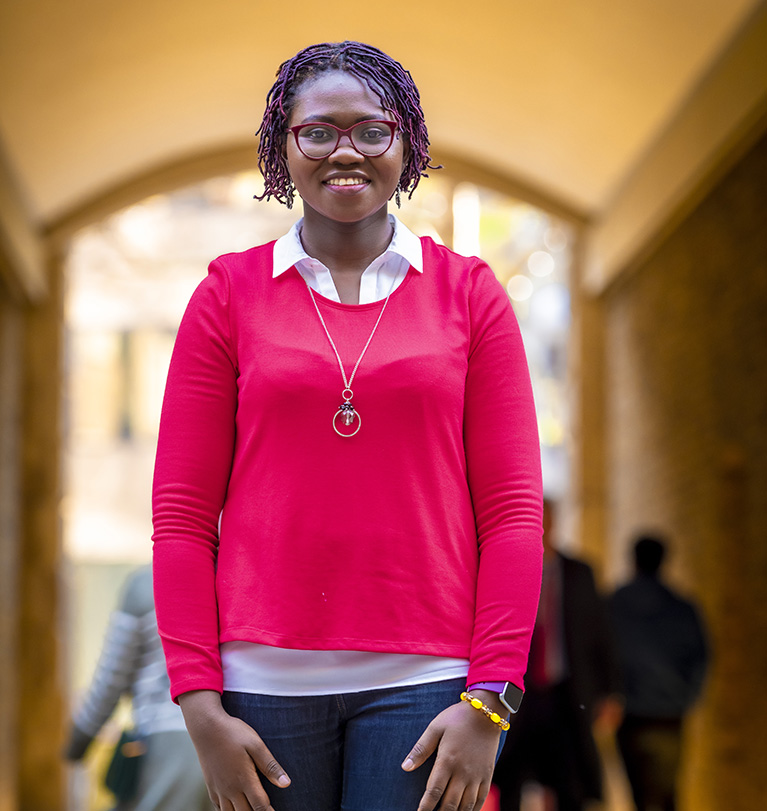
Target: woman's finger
(254,802)
(471,798)
(423,749)
(457,796)
(267,764)
(435,790)
(482,792)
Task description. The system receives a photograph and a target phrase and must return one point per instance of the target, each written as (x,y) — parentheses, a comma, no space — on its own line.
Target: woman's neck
(346,249)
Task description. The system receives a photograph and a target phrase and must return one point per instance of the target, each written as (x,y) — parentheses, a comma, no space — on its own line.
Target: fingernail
(283,780)
(408,764)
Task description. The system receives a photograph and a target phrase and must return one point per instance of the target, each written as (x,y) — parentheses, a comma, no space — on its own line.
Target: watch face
(512,697)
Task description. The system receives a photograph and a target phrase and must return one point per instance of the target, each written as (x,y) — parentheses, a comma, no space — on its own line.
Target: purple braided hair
(383,75)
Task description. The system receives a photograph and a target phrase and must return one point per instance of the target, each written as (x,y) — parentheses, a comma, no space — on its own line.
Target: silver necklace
(346,410)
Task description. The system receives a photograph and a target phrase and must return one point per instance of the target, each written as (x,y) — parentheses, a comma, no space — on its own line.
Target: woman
(347,491)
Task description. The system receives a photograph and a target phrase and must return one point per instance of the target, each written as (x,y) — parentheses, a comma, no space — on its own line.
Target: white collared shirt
(383,275)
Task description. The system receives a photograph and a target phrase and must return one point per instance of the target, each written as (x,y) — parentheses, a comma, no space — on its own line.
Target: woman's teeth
(346,181)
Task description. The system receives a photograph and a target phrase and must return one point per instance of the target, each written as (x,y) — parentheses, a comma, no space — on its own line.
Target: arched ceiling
(563,96)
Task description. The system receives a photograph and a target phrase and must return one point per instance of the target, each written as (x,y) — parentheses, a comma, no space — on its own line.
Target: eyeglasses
(318,140)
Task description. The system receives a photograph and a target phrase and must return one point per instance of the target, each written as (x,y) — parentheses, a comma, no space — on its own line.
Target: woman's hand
(230,752)
(467,744)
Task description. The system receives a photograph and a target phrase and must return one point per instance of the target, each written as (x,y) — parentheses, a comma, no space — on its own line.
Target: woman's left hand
(467,744)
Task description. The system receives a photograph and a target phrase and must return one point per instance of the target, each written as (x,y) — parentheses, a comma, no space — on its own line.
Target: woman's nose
(345,151)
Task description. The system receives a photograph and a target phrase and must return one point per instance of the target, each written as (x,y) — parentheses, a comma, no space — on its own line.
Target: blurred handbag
(124,769)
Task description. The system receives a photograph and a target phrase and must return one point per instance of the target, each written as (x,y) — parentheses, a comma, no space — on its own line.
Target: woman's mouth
(346,182)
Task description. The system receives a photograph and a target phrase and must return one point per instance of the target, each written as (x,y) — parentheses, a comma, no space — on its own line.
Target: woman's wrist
(200,707)
(492,700)
(510,695)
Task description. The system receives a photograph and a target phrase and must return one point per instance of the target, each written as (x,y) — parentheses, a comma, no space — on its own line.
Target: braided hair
(392,84)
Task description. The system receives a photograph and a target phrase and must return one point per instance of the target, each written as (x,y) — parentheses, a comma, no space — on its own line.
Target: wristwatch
(510,694)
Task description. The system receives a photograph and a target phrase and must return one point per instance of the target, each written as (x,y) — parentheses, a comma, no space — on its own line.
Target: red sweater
(421,534)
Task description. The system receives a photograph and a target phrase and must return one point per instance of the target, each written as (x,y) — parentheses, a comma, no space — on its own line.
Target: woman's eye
(373,133)
(316,134)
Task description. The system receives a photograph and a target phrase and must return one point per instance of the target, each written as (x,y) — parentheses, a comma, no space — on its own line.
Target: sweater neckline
(338,305)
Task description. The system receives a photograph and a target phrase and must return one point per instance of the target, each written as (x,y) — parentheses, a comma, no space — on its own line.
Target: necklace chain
(346,408)
(348,383)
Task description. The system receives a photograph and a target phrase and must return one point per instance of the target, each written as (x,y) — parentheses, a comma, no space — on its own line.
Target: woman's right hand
(230,754)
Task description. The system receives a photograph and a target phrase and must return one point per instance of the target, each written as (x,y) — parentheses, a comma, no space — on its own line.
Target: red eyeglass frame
(392,125)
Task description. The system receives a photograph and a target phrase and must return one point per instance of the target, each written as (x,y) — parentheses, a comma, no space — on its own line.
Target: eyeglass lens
(370,138)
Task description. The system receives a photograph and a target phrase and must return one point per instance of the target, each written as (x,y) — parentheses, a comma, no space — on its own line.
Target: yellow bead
(495,718)
(476,703)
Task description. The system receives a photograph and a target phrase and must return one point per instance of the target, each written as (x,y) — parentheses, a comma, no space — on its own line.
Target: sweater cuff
(78,743)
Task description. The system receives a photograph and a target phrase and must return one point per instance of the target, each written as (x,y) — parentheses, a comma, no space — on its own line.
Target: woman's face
(340,98)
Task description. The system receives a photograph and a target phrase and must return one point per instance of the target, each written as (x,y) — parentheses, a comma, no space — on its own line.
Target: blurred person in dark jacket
(663,654)
(572,683)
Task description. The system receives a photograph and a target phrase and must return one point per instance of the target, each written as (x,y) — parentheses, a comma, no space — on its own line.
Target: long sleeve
(591,650)
(699,654)
(503,461)
(604,649)
(112,678)
(194,457)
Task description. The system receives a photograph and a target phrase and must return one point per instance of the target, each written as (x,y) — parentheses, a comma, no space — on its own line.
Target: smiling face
(346,186)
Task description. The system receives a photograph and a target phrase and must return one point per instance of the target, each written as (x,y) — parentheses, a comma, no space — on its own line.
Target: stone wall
(31,684)
(10,420)
(686,403)
(40,695)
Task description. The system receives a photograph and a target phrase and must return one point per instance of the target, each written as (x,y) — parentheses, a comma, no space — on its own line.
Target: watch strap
(510,694)
(493,686)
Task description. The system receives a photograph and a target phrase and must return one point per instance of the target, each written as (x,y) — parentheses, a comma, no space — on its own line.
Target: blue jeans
(344,752)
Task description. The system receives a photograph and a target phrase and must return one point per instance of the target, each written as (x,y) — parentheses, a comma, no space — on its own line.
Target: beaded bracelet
(491,714)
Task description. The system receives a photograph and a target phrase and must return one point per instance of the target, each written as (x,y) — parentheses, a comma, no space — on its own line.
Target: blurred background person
(572,683)
(132,663)
(663,654)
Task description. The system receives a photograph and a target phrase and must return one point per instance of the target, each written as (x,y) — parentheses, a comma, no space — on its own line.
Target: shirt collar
(289,251)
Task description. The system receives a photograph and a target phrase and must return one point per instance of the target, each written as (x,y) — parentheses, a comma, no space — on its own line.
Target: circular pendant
(348,416)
